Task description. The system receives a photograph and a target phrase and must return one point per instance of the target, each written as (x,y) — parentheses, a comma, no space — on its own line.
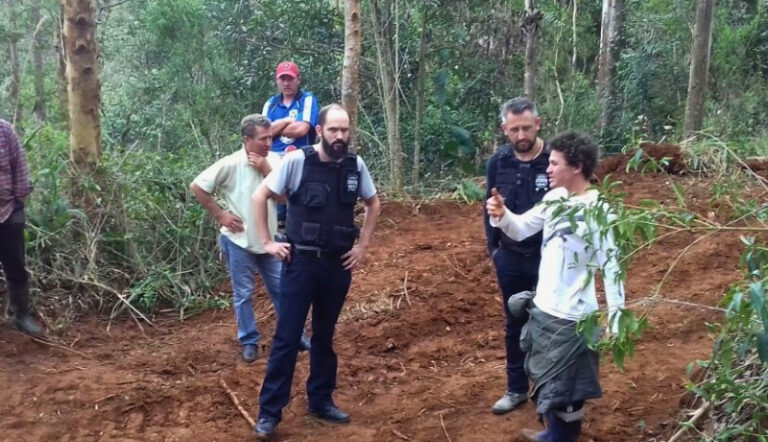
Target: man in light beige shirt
(236,177)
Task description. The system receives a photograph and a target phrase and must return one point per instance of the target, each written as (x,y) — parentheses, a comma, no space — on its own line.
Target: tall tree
(609,37)
(700,57)
(350,74)
(383,20)
(83,85)
(530,27)
(37,60)
(419,111)
(61,67)
(15,66)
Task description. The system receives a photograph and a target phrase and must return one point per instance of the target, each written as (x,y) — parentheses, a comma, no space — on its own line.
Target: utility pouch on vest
(342,238)
(314,195)
(310,233)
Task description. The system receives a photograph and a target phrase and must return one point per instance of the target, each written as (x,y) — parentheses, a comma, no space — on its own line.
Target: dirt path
(421,360)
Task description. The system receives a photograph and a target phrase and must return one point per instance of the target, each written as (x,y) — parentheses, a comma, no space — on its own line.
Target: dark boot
(560,430)
(19,310)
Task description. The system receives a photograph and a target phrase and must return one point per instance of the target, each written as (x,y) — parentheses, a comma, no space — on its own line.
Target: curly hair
(578,150)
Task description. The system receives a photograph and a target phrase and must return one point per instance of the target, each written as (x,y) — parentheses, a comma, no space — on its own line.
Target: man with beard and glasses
(519,171)
(322,184)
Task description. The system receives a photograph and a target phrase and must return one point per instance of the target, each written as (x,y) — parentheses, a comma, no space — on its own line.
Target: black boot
(19,310)
(561,430)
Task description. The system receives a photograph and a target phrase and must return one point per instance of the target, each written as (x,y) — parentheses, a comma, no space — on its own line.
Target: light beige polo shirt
(236,180)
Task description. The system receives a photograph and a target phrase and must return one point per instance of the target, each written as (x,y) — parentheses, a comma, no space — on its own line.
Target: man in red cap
(293,113)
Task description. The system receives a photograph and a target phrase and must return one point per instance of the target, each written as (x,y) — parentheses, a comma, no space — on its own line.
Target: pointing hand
(495,204)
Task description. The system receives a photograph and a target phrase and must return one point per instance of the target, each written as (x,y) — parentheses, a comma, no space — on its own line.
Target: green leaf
(762,347)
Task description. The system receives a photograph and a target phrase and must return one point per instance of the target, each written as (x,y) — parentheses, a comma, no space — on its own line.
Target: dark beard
(336,150)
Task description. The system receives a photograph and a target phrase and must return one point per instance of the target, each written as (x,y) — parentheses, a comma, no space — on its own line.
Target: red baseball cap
(287,68)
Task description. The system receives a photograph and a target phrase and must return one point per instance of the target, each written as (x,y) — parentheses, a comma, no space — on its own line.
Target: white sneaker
(509,402)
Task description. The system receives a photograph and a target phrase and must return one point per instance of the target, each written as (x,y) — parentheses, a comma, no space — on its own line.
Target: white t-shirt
(237,180)
(571,251)
(287,178)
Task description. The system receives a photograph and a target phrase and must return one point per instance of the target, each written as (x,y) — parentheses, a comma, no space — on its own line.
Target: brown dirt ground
(422,360)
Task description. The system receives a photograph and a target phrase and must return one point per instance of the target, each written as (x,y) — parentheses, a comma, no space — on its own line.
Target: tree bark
(609,38)
(389,82)
(530,27)
(83,84)
(700,56)
(38,108)
(61,69)
(15,68)
(419,111)
(350,74)
(574,40)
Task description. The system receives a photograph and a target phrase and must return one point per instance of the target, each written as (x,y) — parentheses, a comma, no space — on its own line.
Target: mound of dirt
(669,157)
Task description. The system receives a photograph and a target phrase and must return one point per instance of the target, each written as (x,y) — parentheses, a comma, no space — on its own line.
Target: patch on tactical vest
(541,181)
(352,183)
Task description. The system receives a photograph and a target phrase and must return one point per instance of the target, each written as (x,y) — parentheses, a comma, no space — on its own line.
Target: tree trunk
(388,76)
(700,55)
(574,40)
(530,27)
(350,74)
(37,60)
(609,37)
(83,83)
(15,69)
(61,69)
(423,49)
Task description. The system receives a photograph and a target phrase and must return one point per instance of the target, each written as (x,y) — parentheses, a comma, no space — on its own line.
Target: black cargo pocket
(342,238)
(310,233)
(314,195)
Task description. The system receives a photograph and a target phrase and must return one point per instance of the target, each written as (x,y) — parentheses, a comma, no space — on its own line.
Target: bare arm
(280,250)
(356,255)
(296,129)
(278,126)
(223,217)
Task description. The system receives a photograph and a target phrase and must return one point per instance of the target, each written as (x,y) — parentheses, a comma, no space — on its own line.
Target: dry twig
(400,435)
(696,416)
(445,431)
(235,401)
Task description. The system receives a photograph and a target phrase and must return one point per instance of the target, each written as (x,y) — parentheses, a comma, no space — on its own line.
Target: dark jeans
(515,273)
(322,283)
(12,260)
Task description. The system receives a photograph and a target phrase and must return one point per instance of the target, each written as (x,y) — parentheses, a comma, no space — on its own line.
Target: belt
(521,250)
(318,253)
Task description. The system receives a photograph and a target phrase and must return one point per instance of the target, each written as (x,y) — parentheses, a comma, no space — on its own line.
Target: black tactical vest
(321,212)
(522,184)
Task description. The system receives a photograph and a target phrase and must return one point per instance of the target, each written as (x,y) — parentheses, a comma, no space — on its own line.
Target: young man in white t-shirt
(236,177)
(563,369)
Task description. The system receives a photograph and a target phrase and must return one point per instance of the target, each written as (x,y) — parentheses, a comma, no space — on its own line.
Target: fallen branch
(400,435)
(235,401)
(696,416)
(445,431)
(455,266)
(405,289)
(59,346)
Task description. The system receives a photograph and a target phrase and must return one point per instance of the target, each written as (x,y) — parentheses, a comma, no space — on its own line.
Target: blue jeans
(322,283)
(242,265)
(515,273)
